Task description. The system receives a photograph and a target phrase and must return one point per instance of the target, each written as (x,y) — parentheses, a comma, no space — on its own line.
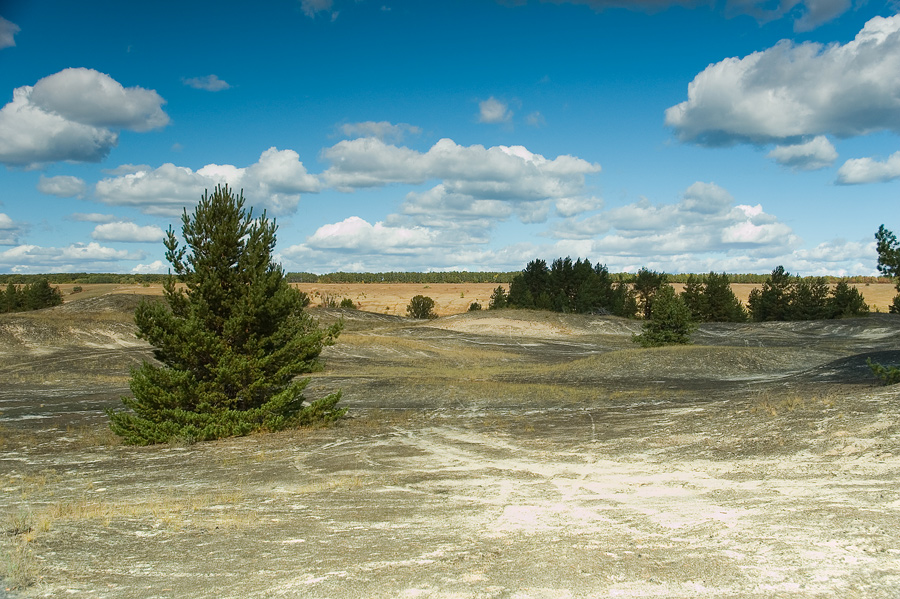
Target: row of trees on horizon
(579,287)
(82,278)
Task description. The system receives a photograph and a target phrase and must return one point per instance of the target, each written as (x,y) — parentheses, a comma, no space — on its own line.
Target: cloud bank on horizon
(406,194)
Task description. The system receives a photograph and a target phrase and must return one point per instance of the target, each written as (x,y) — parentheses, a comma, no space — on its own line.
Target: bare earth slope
(492,454)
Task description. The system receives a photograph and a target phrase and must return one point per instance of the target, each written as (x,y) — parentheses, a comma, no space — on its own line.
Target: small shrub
(348,303)
(670,321)
(421,307)
(889,375)
(329,301)
(19,568)
(77,289)
(474,306)
(498,299)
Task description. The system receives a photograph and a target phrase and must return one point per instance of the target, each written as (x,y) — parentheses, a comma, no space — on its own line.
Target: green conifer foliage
(11,299)
(889,264)
(670,321)
(34,296)
(889,260)
(422,307)
(694,297)
(847,302)
(721,305)
(772,301)
(808,300)
(40,295)
(646,284)
(230,343)
(498,299)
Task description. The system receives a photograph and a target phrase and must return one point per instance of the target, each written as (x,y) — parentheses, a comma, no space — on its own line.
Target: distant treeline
(82,278)
(403,277)
(507,277)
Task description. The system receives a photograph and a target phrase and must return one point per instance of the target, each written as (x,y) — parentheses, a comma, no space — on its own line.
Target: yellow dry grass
(449,298)
(878,295)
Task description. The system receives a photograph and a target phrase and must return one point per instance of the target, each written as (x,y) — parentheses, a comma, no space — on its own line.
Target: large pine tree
(230,341)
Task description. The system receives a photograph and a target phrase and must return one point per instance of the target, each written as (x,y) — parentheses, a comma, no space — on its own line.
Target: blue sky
(685,136)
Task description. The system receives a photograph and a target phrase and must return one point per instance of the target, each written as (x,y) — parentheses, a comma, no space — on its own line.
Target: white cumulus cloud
(355,245)
(74,115)
(155,267)
(754,230)
(577,205)
(127,232)
(63,186)
(92,98)
(792,92)
(493,110)
(382,130)
(500,172)
(72,258)
(814,154)
(355,233)
(9,230)
(441,208)
(869,170)
(476,187)
(274,182)
(706,220)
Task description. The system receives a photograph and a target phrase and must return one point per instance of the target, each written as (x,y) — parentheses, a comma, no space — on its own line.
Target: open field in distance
(450,298)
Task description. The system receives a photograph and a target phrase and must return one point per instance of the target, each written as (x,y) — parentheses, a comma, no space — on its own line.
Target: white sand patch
(507,327)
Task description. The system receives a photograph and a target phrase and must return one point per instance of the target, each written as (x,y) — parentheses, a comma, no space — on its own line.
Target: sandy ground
(502,454)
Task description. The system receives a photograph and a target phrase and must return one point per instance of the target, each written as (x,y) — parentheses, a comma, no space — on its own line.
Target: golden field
(449,298)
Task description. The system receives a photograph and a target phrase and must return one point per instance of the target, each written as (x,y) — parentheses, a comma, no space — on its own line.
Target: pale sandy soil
(507,454)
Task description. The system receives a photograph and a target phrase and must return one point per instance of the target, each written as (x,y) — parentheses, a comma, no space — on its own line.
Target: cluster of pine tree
(579,287)
(567,286)
(786,297)
(33,296)
(710,299)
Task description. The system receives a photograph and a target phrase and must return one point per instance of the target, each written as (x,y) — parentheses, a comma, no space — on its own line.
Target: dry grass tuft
(19,567)
(222,509)
(774,403)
